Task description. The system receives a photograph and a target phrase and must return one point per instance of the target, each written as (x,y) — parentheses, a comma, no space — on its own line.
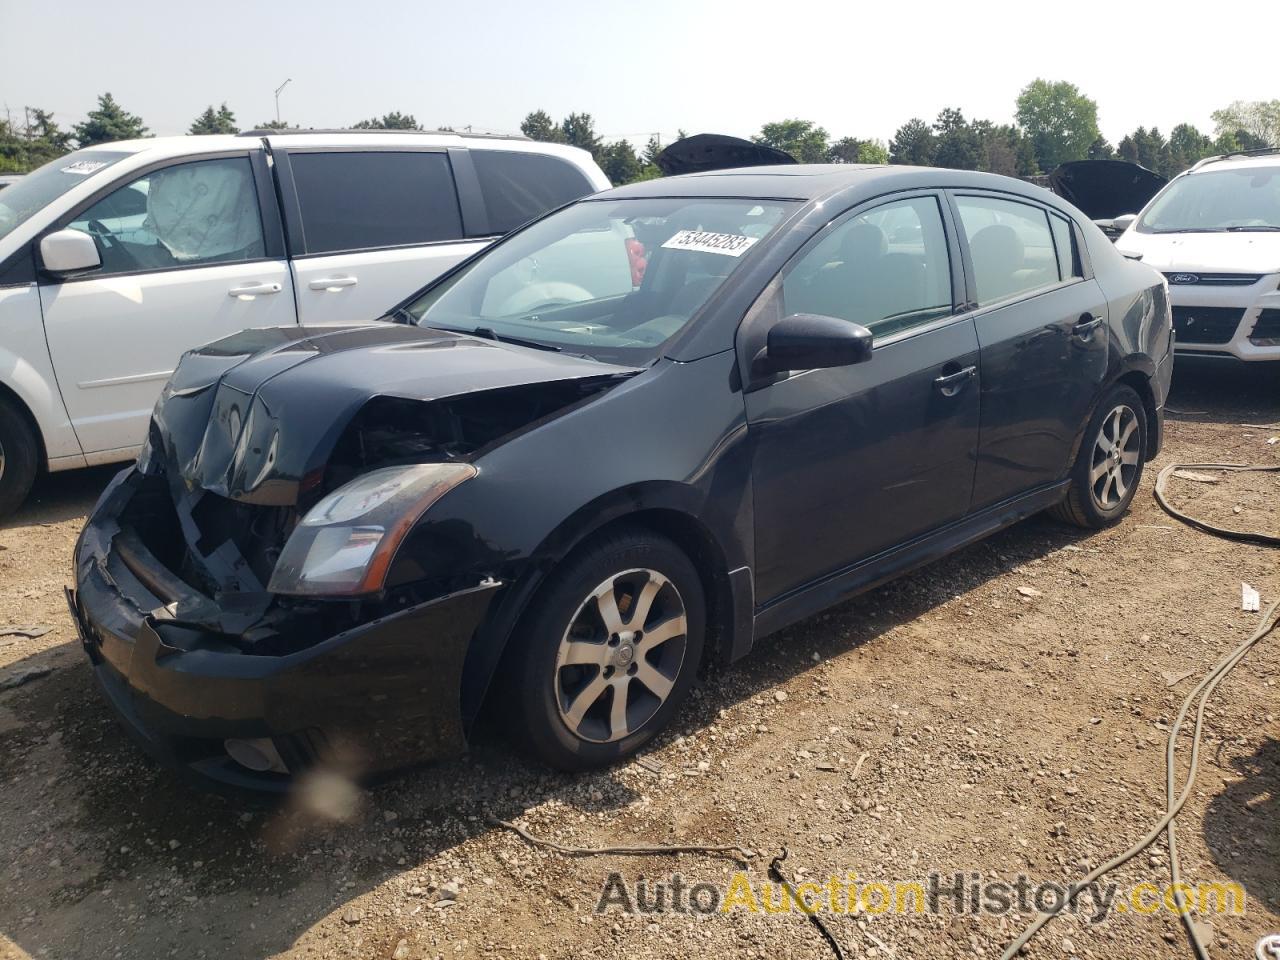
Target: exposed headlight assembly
(345,543)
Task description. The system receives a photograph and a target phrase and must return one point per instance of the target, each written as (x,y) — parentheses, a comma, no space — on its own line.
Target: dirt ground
(949,722)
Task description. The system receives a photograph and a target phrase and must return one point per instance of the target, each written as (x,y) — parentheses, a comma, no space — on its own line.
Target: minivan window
(612,279)
(887,269)
(188,214)
(1242,199)
(520,186)
(1011,247)
(22,200)
(363,200)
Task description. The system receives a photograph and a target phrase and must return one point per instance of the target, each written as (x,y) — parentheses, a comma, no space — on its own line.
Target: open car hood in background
(715,151)
(1105,189)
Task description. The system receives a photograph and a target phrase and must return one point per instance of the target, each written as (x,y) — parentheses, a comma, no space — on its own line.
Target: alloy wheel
(1116,454)
(620,657)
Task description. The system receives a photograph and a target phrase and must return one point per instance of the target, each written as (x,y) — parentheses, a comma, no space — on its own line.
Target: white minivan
(116,259)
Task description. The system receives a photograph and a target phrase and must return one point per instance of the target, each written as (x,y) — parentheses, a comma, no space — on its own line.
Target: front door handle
(1084,329)
(949,384)
(332,284)
(250,290)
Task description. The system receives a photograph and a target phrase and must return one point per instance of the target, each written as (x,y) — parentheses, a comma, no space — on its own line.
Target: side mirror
(807,341)
(68,252)
(1113,228)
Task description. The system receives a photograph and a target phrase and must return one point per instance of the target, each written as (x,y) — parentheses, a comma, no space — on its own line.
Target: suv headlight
(345,543)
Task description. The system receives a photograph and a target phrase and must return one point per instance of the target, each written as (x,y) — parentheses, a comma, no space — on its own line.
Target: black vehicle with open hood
(627,437)
(1106,190)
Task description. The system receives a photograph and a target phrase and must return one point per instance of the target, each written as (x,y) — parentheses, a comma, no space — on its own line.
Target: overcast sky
(858,69)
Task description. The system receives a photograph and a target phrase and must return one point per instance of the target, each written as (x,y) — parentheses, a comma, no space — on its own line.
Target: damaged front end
(239,592)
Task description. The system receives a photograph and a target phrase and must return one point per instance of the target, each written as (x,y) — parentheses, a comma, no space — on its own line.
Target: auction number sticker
(702,241)
(83,168)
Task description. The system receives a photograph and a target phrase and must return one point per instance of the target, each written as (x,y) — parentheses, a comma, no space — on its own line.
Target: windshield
(612,279)
(22,200)
(1246,198)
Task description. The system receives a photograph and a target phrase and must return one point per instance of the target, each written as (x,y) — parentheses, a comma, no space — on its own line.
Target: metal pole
(278,89)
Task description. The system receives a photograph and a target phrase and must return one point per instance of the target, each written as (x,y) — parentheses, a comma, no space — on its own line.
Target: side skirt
(883,567)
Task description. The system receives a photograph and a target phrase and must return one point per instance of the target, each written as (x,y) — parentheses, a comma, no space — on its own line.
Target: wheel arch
(11,398)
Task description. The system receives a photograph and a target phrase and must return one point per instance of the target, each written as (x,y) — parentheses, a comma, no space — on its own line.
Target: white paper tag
(702,241)
(1249,599)
(82,168)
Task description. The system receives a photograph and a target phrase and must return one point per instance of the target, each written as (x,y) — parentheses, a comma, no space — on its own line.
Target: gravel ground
(1001,712)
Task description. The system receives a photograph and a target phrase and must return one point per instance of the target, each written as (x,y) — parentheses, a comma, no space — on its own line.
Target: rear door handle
(253,289)
(333,284)
(949,384)
(1084,329)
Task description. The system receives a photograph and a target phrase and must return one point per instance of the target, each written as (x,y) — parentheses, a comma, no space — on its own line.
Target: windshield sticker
(83,168)
(701,241)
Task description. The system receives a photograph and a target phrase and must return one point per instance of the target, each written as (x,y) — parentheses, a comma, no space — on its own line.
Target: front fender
(26,370)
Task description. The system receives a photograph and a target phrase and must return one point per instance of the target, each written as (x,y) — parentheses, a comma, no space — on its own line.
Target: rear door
(368,227)
(1041,321)
(190,253)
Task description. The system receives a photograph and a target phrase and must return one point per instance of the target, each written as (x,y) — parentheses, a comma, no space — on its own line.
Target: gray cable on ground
(1204,690)
(741,854)
(1245,536)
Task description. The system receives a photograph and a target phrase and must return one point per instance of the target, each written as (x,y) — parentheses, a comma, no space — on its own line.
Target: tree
(1100,149)
(389,121)
(221,120)
(1234,141)
(1004,149)
(620,164)
(1060,120)
(1258,119)
(957,145)
(853,150)
(579,130)
(108,122)
(913,144)
(1187,145)
(803,139)
(651,150)
(1147,148)
(539,126)
(276,125)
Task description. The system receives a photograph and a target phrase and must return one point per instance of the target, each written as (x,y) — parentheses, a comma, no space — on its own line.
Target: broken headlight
(345,543)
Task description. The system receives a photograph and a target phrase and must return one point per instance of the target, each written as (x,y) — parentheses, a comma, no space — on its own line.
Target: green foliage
(107,123)
(853,150)
(1060,120)
(276,125)
(956,144)
(538,125)
(389,121)
(803,139)
(913,144)
(1257,120)
(37,141)
(620,164)
(579,130)
(1101,149)
(221,120)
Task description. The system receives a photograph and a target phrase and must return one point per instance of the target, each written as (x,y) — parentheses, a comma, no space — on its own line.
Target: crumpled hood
(1204,252)
(249,416)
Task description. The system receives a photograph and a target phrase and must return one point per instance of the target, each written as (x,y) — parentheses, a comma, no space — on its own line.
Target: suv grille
(1206,324)
(1215,279)
(1266,332)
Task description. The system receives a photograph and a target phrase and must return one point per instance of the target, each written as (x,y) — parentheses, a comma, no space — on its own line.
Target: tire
(586,641)
(19,458)
(1103,482)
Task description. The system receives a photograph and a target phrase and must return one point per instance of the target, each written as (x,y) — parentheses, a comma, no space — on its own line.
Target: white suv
(114,260)
(1214,232)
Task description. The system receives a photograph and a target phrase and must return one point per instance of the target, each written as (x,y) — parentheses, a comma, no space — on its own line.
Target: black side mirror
(807,341)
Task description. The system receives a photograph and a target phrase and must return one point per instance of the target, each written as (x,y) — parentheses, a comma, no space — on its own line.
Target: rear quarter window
(366,200)
(518,187)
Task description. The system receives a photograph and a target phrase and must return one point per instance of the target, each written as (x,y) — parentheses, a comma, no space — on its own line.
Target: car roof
(1270,158)
(815,181)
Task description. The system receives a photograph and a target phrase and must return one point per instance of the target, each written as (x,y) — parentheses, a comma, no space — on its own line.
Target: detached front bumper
(374,697)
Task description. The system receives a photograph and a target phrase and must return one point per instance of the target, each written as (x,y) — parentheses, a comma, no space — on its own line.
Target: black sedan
(639,433)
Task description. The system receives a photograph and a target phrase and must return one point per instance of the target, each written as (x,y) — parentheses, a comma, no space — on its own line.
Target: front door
(184,261)
(851,461)
(1042,328)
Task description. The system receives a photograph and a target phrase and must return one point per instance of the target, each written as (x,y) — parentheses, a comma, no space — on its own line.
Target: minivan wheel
(1109,465)
(611,649)
(19,459)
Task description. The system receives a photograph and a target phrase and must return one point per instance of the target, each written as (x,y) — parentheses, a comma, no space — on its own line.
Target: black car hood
(715,151)
(250,416)
(1104,189)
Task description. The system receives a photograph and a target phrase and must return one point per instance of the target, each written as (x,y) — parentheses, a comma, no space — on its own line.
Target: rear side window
(362,201)
(1068,262)
(520,186)
(1011,246)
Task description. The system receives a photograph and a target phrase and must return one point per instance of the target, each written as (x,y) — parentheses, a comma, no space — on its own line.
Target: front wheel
(1107,470)
(19,459)
(611,648)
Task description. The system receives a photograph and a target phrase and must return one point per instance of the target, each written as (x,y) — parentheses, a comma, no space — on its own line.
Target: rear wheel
(19,458)
(1109,465)
(612,645)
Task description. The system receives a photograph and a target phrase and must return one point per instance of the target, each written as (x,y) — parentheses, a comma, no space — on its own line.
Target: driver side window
(887,269)
(190,214)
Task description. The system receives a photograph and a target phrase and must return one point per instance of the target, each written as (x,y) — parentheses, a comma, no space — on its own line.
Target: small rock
(448,891)
(780,696)
(401,951)
(174,844)
(1029,592)
(351,915)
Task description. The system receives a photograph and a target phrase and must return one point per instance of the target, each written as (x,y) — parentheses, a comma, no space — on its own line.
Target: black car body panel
(1105,188)
(715,151)
(790,491)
